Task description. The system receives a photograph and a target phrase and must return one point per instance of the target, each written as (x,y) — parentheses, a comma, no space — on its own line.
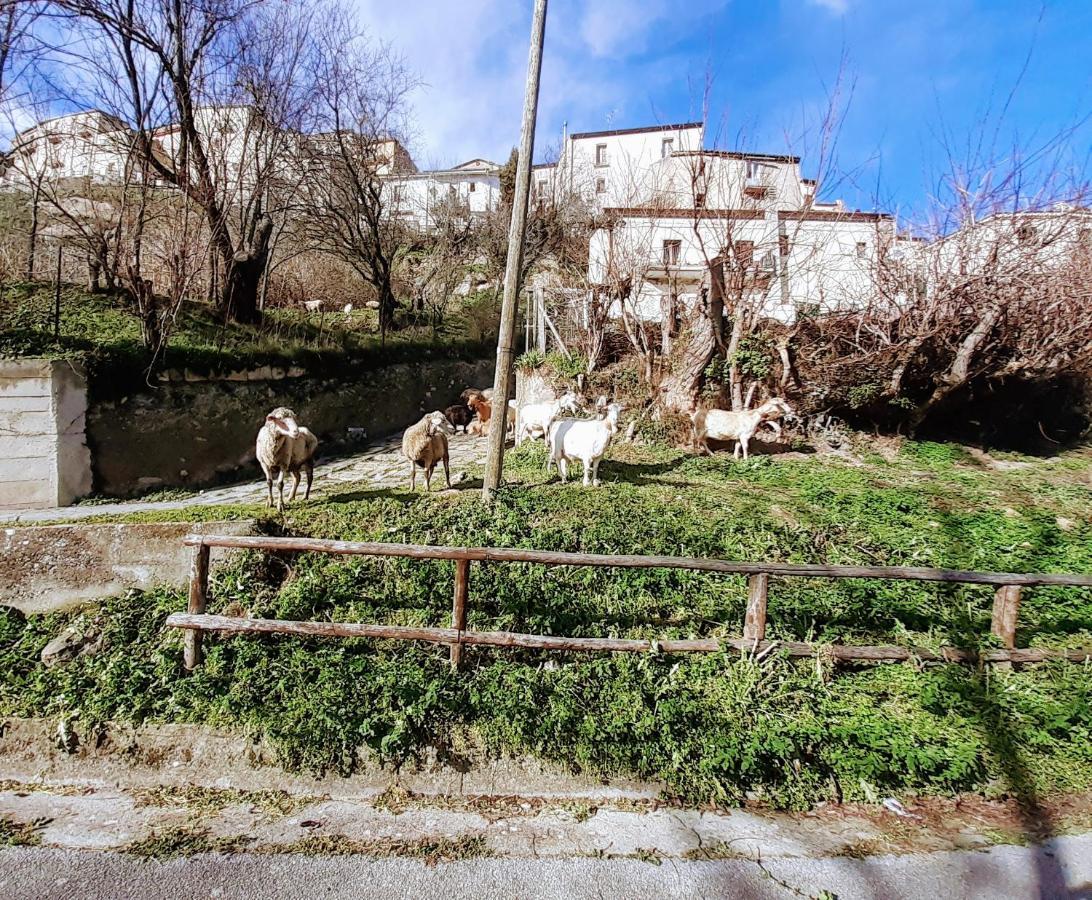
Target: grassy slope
(103,329)
(713,727)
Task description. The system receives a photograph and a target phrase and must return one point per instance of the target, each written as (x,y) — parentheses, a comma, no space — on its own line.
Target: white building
(670,210)
(90,145)
(473,188)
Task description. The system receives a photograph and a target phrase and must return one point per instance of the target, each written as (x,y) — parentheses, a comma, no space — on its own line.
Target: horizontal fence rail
(1003,625)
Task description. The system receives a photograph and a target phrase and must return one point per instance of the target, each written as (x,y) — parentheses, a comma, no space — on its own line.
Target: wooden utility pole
(505,340)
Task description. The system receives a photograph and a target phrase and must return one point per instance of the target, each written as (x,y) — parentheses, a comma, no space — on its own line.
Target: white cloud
(472,58)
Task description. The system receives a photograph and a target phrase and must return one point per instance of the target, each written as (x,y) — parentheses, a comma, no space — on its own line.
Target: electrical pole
(505,340)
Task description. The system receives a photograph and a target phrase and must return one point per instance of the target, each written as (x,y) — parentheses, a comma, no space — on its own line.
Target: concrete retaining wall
(192,434)
(52,567)
(44,459)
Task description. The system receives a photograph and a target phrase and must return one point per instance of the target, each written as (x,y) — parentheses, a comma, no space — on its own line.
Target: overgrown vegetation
(717,728)
(104,331)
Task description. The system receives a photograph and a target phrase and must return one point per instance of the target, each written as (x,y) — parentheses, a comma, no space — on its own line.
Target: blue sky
(916,70)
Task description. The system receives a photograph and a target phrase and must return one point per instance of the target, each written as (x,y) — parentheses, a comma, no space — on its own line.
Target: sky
(912,78)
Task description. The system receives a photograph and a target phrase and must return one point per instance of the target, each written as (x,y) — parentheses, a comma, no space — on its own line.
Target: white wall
(44,460)
(824,270)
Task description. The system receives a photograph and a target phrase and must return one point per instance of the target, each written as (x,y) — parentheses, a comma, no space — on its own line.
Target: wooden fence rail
(1005,610)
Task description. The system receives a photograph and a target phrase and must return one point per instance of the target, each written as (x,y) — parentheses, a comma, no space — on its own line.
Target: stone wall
(197,433)
(44,458)
(52,567)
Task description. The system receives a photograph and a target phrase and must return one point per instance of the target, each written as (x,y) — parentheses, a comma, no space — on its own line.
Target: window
(862,249)
(1026,234)
(471,187)
(699,200)
(601,154)
(396,194)
(744,253)
(667,147)
(783,244)
(754,170)
(600,185)
(671,252)
(542,188)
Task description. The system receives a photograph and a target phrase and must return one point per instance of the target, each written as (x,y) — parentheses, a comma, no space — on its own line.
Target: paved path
(999,873)
(381,464)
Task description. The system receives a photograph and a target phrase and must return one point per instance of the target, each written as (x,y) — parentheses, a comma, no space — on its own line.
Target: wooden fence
(1006,605)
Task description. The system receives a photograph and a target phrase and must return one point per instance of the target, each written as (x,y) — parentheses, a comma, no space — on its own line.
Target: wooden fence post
(1006,608)
(754,628)
(199,588)
(458,607)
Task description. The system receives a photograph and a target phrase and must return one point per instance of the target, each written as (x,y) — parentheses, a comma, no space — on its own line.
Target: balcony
(756,186)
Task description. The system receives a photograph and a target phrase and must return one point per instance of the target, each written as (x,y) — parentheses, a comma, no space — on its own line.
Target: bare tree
(216,95)
(351,204)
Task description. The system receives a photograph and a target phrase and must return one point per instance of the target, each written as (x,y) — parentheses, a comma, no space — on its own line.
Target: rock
(371,304)
(1065,524)
(81,638)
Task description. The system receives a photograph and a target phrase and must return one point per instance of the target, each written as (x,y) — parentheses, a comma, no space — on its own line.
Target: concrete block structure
(44,459)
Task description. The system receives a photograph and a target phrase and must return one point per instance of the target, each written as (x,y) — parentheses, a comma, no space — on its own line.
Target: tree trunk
(243,275)
(32,237)
(680,388)
(959,371)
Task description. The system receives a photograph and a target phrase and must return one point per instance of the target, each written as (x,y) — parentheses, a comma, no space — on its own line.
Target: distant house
(472,187)
(92,145)
(670,211)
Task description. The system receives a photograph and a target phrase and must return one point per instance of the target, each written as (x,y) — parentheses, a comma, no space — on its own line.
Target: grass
(103,331)
(717,728)
(19,834)
(176,841)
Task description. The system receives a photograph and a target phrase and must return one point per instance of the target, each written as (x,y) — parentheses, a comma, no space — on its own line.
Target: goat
(724,425)
(283,446)
(482,408)
(582,439)
(459,414)
(533,419)
(425,444)
(484,393)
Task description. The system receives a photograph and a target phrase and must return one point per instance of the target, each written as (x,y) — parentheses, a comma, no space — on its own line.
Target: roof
(552,165)
(647,128)
(803,215)
(739,154)
(477,163)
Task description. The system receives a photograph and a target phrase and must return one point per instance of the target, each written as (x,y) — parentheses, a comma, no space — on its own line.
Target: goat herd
(284,446)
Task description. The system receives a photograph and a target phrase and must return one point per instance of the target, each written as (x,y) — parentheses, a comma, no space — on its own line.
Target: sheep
(533,419)
(283,446)
(459,414)
(724,425)
(582,439)
(425,444)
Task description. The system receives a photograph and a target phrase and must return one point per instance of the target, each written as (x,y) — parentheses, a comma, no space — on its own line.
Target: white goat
(724,425)
(582,439)
(283,446)
(533,419)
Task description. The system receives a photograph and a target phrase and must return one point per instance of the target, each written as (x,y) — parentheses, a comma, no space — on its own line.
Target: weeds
(20,834)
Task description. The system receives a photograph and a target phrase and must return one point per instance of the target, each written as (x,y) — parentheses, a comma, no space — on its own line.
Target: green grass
(715,728)
(103,330)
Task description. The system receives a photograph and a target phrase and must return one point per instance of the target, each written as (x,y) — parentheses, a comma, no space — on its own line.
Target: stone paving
(380,464)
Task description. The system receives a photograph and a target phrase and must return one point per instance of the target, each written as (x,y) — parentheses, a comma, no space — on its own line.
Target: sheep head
(437,423)
(283,421)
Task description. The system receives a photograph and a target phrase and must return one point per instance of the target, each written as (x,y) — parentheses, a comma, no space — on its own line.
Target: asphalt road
(1061,869)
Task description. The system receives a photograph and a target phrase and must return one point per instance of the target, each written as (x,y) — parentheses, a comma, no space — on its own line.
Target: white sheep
(284,446)
(425,444)
(724,425)
(533,419)
(586,440)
